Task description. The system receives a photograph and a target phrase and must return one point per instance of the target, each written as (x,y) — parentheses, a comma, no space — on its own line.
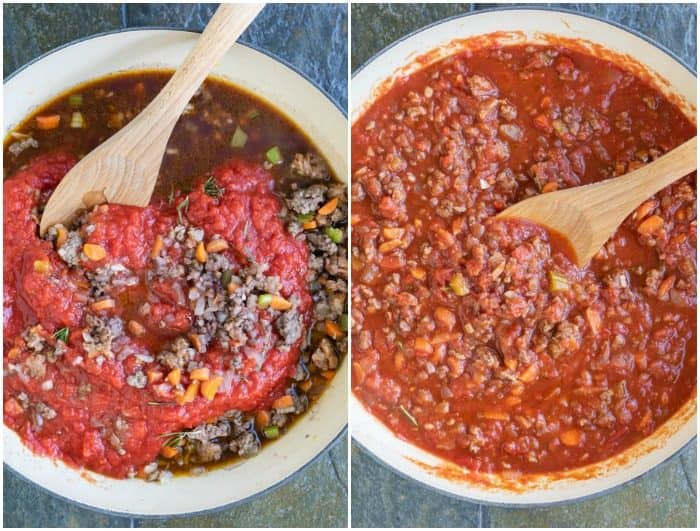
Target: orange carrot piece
(103,304)
(94,252)
(262,419)
(333,329)
(174,377)
(329,207)
(283,402)
(157,246)
(201,374)
(48,121)
(169,452)
(210,387)
(280,303)
(570,437)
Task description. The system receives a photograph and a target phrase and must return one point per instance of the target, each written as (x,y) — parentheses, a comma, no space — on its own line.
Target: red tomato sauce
(246,216)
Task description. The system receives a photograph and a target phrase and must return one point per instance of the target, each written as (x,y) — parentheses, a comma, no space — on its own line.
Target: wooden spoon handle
(641,184)
(227,24)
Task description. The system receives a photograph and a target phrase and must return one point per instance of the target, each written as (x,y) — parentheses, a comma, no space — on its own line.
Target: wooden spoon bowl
(124,169)
(588,215)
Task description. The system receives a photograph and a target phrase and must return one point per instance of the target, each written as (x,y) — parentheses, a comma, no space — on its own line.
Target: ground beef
(98,334)
(138,380)
(178,355)
(324,357)
(310,165)
(71,250)
(289,327)
(308,199)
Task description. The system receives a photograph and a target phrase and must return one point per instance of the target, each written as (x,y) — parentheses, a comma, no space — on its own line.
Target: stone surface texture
(313,39)
(666,497)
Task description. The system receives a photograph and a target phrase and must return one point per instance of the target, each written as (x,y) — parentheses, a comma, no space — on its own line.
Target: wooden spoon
(588,215)
(124,168)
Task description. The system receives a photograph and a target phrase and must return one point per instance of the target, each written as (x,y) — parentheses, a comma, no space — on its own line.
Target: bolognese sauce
(479,340)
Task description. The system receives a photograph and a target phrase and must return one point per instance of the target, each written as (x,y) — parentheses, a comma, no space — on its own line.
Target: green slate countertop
(665,497)
(313,38)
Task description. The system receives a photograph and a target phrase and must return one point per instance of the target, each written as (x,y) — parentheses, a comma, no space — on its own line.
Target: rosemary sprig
(212,189)
(184,205)
(408,416)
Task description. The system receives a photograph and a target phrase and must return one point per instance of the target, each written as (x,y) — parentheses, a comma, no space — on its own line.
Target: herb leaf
(184,205)
(212,189)
(62,334)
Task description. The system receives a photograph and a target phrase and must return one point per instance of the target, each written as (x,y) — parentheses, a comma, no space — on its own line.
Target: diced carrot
(645,209)
(423,345)
(232,287)
(550,187)
(418,273)
(189,395)
(570,437)
(136,328)
(444,238)
(358,373)
(174,377)
(201,373)
(305,385)
(309,225)
(103,304)
(280,303)
(48,121)
(169,452)
(328,375)
(94,252)
(329,207)
(61,236)
(439,339)
(541,121)
(154,376)
(196,341)
(354,219)
(445,317)
(530,373)
(13,353)
(216,246)
(333,329)
(262,419)
(512,401)
(12,407)
(665,285)
(210,387)
(399,361)
(392,233)
(200,253)
(389,246)
(157,246)
(283,402)
(651,225)
(492,414)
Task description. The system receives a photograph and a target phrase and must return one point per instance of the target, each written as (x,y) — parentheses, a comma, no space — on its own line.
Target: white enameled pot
(648,60)
(307,106)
